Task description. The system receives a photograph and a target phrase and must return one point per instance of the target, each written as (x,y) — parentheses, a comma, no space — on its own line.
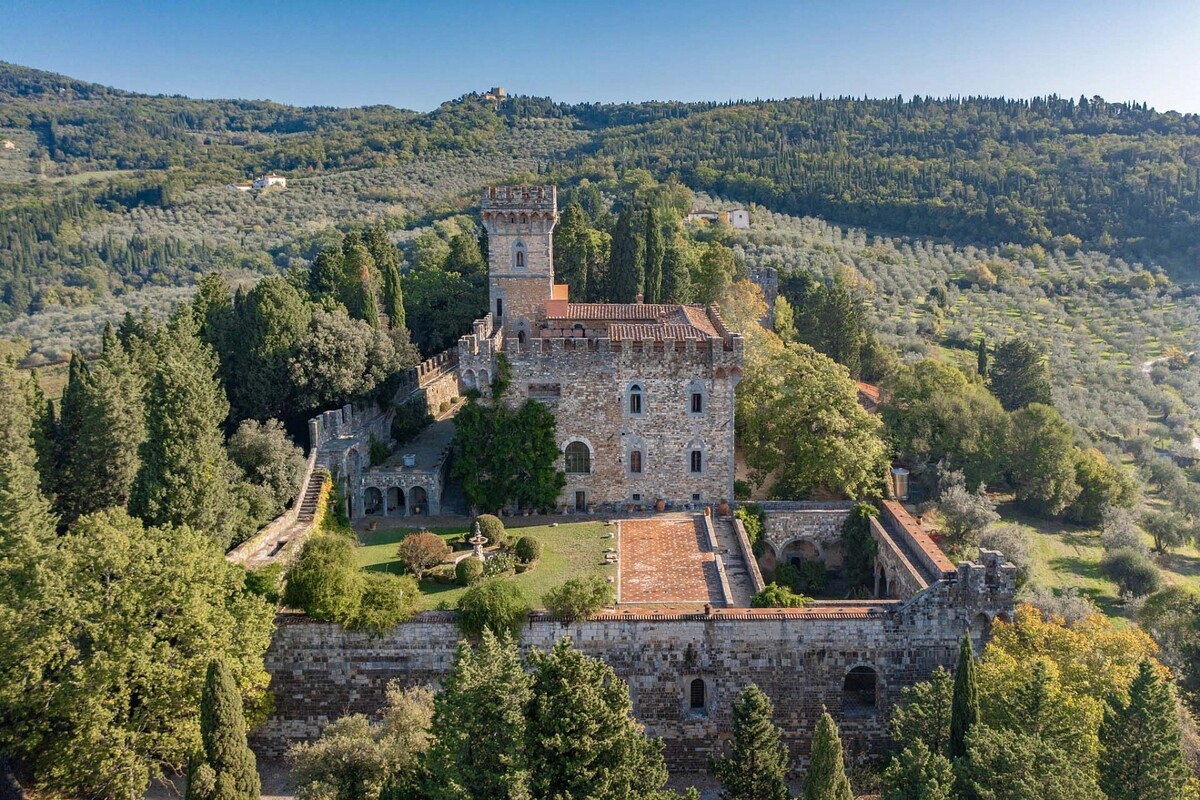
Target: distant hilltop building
(263,182)
(496,93)
(738,218)
(269,180)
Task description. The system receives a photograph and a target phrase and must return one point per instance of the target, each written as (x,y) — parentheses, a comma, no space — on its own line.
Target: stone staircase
(312,494)
(741,585)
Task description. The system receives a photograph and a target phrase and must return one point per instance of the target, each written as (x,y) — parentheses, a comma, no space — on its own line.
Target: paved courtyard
(666,559)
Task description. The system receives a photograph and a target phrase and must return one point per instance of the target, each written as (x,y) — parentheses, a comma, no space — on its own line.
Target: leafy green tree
(626,270)
(507,456)
(269,459)
(338,360)
(478,726)
(537,478)
(677,273)
(756,767)
(440,306)
(800,420)
(826,776)
(1042,459)
(964,706)
(357,759)
(1019,375)
(186,477)
(1010,765)
(924,713)
(1102,484)
(579,598)
(325,276)
(917,773)
(655,254)
(1132,571)
(965,514)
(324,580)
(935,415)
(783,320)
(224,768)
(271,320)
(118,703)
(858,545)
(775,595)
(713,273)
(493,604)
(1169,529)
(103,426)
(1172,617)
(581,738)
(465,256)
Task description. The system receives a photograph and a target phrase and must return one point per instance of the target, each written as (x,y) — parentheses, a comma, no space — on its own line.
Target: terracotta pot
(723,509)
(660,505)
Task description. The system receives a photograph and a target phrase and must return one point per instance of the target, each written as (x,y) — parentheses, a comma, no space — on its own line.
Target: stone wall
(808,529)
(799,657)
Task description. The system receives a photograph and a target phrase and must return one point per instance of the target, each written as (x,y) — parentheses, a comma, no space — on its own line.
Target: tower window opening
(635,399)
(697,461)
(635,461)
(697,695)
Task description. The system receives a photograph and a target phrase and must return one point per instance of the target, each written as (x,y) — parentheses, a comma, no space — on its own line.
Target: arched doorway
(981,631)
(799,551)
(395,500)
(860,691)
(417,501)
(372,500)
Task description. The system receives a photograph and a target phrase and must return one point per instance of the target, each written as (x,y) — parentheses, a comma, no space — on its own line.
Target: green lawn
(1066,556)
(571,550)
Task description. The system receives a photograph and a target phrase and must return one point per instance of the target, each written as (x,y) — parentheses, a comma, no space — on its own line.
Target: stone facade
(802,658)
(642,394)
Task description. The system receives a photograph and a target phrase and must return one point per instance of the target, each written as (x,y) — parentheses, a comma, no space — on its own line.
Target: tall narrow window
(519,255)
(697,461)
(635,399)
(499,307)
(635,461)
(696,695)
(697,403)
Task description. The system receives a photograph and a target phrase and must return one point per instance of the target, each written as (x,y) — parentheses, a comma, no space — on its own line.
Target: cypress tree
(185,472)
(654,256)
(26,524)
(224,769)
(357,289)
(325,275)
(478,726)
(1141,757)
(1019,375)
(625,272)
(964,708)
(757,765)
(581,738)
(677,275)
(104,425)
(916,773)
(572,249)
(981,358)
(387,263)
(826,777)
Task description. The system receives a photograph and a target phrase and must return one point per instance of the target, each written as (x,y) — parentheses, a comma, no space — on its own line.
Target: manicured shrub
(468,571)
(528,549)
(1133,572)
(501,563)
(775,596)
(492,603)
(491,527)
(579,598)
(420,552)
(387,600)
(324,580)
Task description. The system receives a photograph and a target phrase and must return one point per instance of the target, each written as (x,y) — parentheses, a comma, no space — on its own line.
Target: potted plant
(660,505)
(723,508)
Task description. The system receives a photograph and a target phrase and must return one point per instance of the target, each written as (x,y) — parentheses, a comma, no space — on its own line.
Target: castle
(642,393)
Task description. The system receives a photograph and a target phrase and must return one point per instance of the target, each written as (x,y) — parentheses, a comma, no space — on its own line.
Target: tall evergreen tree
(826,777)
(387,263)
(184,477)
(757,765)
(325,275)
(104,425)
(916,773)
(1141,757)
(981,358)
(1019,374)
(358,282)
(677,274)
(479,726)
(224,769)
(581,738)
(572,250)
(964,708)
(26,523)
(272,319)
(655,255)
(626,275)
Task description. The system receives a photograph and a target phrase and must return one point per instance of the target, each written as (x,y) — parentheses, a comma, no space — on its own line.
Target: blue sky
(415,55)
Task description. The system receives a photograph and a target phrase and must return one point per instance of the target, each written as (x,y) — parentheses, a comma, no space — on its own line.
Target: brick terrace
(666,559)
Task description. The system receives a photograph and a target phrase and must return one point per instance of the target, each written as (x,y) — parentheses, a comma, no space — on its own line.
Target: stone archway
(798,551)
(395,500)
(372,500)
(418,501)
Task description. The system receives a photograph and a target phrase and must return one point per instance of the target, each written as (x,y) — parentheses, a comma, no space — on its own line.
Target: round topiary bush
(528,549)
(468,571)
(491,527)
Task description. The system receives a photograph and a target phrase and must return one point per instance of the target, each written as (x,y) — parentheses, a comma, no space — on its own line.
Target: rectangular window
(635,403)
(697,403)
(697,461)
(637,498)
(635,461)
(696,498)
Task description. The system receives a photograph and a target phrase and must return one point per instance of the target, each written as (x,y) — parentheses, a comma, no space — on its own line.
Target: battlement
(993,572)
(520,198)
(718,351)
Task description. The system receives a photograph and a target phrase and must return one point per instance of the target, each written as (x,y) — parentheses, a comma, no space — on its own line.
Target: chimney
(640,298)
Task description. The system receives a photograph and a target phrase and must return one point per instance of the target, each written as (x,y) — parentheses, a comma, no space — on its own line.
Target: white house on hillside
(269,180)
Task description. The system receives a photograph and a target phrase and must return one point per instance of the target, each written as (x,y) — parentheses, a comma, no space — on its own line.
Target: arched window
(696,398)
(636,405)
(519,255)
(696,462)
(697,696)
(579,459)
(859,690)
(635,461)
(521,337)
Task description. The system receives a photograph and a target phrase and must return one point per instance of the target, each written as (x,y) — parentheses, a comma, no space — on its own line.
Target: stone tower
(519,221)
